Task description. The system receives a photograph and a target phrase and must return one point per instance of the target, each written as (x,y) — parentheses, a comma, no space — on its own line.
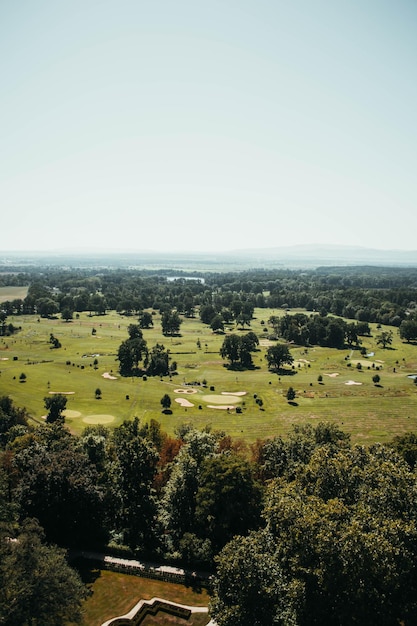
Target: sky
(215,125)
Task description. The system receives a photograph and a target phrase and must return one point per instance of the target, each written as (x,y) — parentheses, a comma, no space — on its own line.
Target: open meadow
(203,385)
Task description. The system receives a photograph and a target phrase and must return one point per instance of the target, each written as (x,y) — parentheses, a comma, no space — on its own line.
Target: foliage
(250,587)
(131,475)
(171,322)
(228,499)
(165,401)
(238,349)
(278,355)
(385,338)
(55,405)
(58,485)
(37,586)
(342,534)
(10,417)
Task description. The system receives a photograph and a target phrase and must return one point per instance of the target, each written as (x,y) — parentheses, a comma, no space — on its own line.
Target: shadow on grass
(88,571)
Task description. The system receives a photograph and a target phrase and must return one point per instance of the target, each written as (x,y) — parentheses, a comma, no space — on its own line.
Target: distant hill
(299,256)
(314,255)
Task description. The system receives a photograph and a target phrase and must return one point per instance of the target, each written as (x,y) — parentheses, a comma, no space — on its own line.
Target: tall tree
(278,355)
(58,486)
(132,472)
(228,500)
(343,539)
(55,405)
(250,587)
(37,586)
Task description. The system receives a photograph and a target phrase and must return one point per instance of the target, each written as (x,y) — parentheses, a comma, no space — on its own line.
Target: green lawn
(368,412)
(113,594)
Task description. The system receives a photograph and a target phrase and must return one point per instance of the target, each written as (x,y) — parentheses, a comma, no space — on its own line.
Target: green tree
(58,486)
(131,473)
(228,500)
(406,446)
(178,501)
(408,330)
(46,307)
(290,394)
(145,320)
(165,402)
(67,314)
(55,405)
(171,323)
(37,586)
(158,363)
(238,349)
(278,355)
(207,312)
(250,587)
(384,339)
(217,323)
(230,349)
(132,351)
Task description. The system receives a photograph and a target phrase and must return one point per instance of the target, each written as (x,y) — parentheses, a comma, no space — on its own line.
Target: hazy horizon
(208,127)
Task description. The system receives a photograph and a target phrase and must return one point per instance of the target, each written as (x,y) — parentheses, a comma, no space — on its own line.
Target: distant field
(370,413)
(13,293)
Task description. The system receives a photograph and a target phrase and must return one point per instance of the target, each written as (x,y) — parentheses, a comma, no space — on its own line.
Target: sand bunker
(109,376)
(221,399)
(185,391)
(224,407)
(63,393)
(69,413)
(98,419)
(234,393)
(352,382)
(184,402)
(333,375)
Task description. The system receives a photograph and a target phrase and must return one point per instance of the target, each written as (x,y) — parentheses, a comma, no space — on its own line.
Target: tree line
(306,529)
(366,294)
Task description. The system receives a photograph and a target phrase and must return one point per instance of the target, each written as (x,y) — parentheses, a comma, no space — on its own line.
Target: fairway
(204,391)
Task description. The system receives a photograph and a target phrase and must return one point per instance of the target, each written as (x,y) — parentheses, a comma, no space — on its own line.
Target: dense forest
(302,530)
(364,294)
(312,528)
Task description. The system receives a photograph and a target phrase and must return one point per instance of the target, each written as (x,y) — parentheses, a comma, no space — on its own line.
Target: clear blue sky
(207,125)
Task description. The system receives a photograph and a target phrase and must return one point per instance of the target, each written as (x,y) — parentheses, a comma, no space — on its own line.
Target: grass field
(13,293)
(369,412)
(113,594)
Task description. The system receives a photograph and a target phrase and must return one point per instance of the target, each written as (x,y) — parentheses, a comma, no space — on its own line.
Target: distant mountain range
(298,256)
